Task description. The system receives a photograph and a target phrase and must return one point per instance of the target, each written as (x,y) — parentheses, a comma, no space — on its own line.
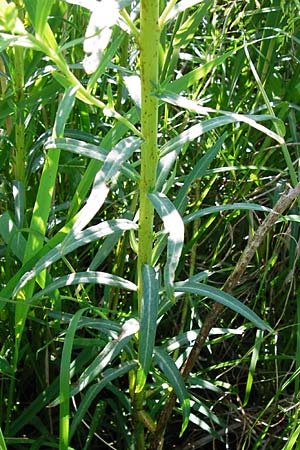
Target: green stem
(149,45)
(149,120)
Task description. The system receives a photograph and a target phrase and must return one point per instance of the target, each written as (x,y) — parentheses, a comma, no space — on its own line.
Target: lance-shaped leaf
(90,151)
(197,172)
(218,208)
(80,239)
(105,357)
(170,370)
(148,319)
(222,297)
(112,164)
(174,227)
(87,277)
(14,240)
(250,119)
(108,376)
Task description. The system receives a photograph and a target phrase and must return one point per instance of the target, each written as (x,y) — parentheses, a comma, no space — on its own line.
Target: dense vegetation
(149,224)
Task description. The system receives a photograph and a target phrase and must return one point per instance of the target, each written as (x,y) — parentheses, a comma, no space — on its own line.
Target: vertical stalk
(149,45)
(19,128)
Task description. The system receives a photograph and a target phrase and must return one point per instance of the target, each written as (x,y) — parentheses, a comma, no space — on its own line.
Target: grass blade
(254,359)
(2,441)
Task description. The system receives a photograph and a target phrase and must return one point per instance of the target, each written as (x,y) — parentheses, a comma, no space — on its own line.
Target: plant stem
(149,119)
(149,44)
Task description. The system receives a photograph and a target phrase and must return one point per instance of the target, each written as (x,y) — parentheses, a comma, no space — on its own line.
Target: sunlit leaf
(225,299)
(86,277)
(80,239)
(174,227)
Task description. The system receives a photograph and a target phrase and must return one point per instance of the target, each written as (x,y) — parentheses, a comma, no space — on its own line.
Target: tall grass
(149,224)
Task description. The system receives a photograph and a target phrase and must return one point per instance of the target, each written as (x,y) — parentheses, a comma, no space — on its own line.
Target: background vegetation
(121,221)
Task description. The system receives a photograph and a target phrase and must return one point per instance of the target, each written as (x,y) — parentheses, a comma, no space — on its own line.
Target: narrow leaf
(93,392)
(80,239)
(174,227)
(191,105)
(225,299)
(64,385)
(86,277)
(63,111)
(218,208)
(112,164)
(198,171)
(193,133)
(105,357)
(148,319)
(2,441)
(170,370)
(38,11)
(13,238)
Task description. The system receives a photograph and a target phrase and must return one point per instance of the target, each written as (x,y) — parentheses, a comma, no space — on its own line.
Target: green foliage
(142,143)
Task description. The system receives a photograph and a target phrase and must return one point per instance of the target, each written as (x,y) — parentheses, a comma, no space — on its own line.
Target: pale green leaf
(80,239)
(218,208)
(175,229)
(86,277)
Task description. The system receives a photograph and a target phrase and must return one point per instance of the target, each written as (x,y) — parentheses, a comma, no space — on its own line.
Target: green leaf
(149,305)
(86,277)
(180,7)
(174,227)
(63,111)
(218,208)
(193,133)
(112,164)
(253,362)
(170,370)
(198,171)
(64,384)
(111,138)
(6,368)
(38,11)
(78,147)
(192,106)
(2,441)
(105,357)
(93,392)
(80,239)
(13,238)
(225,299)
